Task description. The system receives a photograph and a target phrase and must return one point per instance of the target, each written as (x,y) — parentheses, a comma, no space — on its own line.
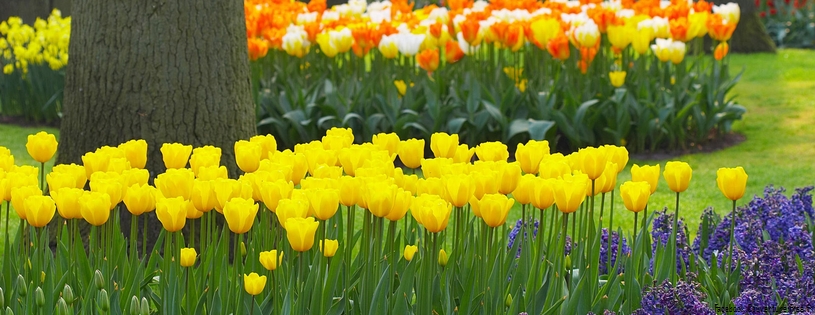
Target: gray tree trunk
(163,71)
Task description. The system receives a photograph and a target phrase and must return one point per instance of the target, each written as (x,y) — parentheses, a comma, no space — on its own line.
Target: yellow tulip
(175,183)
(642,40)
(494,209)
(274,191)
(270,259)
(411,152)
(253,283)
(19,195)
(206,156)
(543,195)
(570,191)
(95,162)
(330,248)
(464,154)
(379,199)
(135,152)
(526,187)
(443,145)
(118,165)
(443,259)
(620,36)
(247,155)
(291,208)
(592,161)
(26,170)
(202,196)
(646,173)
(401,87)
(78,170)
(432,168)
(109,183)
(433,210)
(353,157)
(268,145)
(240,214)
(509,175)
(338,138)
(617,78)
(300,233)
(39,210)
(41,146)
(212,172)
(607,181)
(58,180)
(401,203)
(317,157)
(529,155)
(95,207)
(635,195)
(297,161)
(329,172)
(192,212)
(486,182)
(678,175)
(492,151)
(227,189)
(732,182)
(323,202)
(134,176)
(406,182)
(140,199)
(459,188)
(387,141)
(410,251)
(172,212)
(188,256)
(175,155)
(67,202)
(6,162)
(617,155)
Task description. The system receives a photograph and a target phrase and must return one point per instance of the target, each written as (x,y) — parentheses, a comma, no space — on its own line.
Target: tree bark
(163,71)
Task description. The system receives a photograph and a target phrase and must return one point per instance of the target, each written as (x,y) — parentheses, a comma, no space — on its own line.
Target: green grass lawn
(776,89)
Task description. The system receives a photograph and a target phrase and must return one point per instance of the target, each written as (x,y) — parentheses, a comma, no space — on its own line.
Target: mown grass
(776,89)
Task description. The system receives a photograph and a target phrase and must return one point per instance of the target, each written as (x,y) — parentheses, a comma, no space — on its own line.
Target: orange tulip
(428,59)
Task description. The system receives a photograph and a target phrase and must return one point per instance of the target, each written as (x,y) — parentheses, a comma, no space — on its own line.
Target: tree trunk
(28,10)
(163,71)
(750,36)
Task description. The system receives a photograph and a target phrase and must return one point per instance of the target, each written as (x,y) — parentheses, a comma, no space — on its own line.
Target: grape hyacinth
(684,298)
(661,234)
(615,241)
(513,234)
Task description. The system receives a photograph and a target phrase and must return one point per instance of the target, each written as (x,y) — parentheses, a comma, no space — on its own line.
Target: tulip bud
(9,311)
(104,300)
(39,297)
(68,294)
(243,249)
(134,305)
(22,288)
(145,307)
(410,250)
(99,280)
(568,262)
(62,307)
(508,300)
(443,258)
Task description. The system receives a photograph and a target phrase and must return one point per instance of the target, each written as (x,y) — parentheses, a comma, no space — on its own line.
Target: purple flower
(661,234)
(513,234)
(665,298)
(615,243)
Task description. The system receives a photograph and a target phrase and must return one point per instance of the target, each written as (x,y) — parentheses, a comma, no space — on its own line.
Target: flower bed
(325,229)
(577,74)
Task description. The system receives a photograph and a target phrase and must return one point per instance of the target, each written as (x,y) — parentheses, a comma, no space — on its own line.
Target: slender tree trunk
(163,71)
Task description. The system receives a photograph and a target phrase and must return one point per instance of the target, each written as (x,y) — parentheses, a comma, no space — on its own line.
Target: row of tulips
(587,72)
(447,256)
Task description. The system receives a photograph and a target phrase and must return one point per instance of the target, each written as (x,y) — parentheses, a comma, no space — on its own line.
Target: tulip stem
(732,241)
(133,227)
(568,269)
(349,245)
(610,229)
(7,214)
(143,237)
(675,234)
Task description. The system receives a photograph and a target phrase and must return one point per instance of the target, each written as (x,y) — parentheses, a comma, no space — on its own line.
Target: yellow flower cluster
(46,42)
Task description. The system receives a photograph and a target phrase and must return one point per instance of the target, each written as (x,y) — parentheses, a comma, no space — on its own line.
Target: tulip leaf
(379,300)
